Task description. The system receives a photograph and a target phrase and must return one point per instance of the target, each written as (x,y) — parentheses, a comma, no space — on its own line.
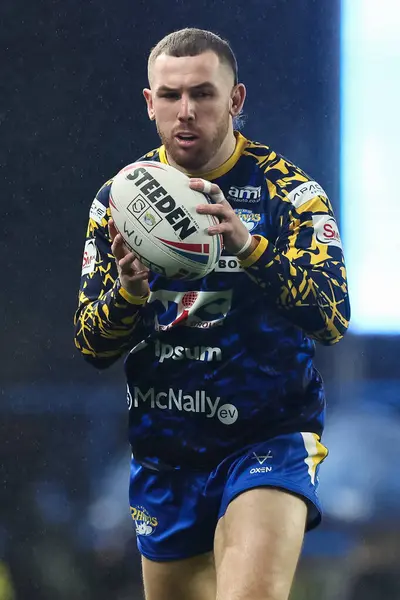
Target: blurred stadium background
(324,90)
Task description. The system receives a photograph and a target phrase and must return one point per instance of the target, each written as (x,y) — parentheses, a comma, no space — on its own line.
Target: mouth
(186,140)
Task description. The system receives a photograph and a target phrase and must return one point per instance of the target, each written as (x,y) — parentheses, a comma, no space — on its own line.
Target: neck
(226,150)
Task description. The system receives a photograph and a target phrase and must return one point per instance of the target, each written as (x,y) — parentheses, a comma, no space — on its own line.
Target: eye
(202,94)
(170,95)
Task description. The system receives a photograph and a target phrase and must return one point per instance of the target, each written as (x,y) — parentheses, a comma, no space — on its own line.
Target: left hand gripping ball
(154,209)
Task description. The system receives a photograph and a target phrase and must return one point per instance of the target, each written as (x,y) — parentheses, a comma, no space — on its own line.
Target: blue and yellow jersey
(224,361)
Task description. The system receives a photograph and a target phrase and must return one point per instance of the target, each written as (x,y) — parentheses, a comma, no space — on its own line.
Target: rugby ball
(154,210)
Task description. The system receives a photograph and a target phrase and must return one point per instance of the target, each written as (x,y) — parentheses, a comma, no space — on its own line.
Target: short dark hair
(192,42)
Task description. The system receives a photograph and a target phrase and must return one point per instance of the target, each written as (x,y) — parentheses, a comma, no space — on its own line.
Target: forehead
(187,71)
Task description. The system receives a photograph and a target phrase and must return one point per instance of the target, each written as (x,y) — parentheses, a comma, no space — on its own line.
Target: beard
(196,158)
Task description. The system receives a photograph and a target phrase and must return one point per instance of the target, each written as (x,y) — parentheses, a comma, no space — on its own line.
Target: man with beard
(226,408)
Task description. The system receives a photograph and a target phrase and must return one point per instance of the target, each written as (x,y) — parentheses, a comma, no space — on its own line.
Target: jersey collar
(241,143)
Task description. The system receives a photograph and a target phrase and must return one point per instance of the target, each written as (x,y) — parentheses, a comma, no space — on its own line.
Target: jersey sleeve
(303,271)
(107,315)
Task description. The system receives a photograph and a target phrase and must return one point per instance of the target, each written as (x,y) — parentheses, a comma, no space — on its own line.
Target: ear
(238,97)
(149,101)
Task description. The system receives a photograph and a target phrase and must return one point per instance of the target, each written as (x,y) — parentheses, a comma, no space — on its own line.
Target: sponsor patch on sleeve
(304,192)
(97,211)
(326,230)
(89,257)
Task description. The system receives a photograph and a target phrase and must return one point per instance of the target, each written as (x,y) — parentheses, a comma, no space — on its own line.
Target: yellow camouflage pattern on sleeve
(104,320)
(304,269)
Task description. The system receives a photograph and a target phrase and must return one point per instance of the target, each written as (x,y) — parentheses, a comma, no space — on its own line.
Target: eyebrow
(200,86)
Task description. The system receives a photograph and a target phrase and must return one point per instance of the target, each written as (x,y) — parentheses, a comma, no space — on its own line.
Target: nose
(186,109)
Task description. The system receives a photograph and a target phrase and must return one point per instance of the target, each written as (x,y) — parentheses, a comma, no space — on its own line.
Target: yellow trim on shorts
(316,453)
(241,143)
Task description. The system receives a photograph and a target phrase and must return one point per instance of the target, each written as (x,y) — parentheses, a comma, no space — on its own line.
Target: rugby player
(226,407)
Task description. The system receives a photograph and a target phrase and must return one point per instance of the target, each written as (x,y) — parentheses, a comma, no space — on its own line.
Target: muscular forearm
(314,299)
(104,327)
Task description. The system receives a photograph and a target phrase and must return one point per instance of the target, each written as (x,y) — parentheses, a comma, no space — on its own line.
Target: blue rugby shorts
(175,512)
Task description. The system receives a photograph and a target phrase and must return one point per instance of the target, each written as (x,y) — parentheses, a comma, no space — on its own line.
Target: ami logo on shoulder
(247,193)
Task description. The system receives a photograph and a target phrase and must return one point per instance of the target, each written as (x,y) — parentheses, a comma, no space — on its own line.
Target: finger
(222,228)
(219,210)
(112,230)
(118,247)
(211,189)
(127,264)
(130,267)
(140,276)
(140,266)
